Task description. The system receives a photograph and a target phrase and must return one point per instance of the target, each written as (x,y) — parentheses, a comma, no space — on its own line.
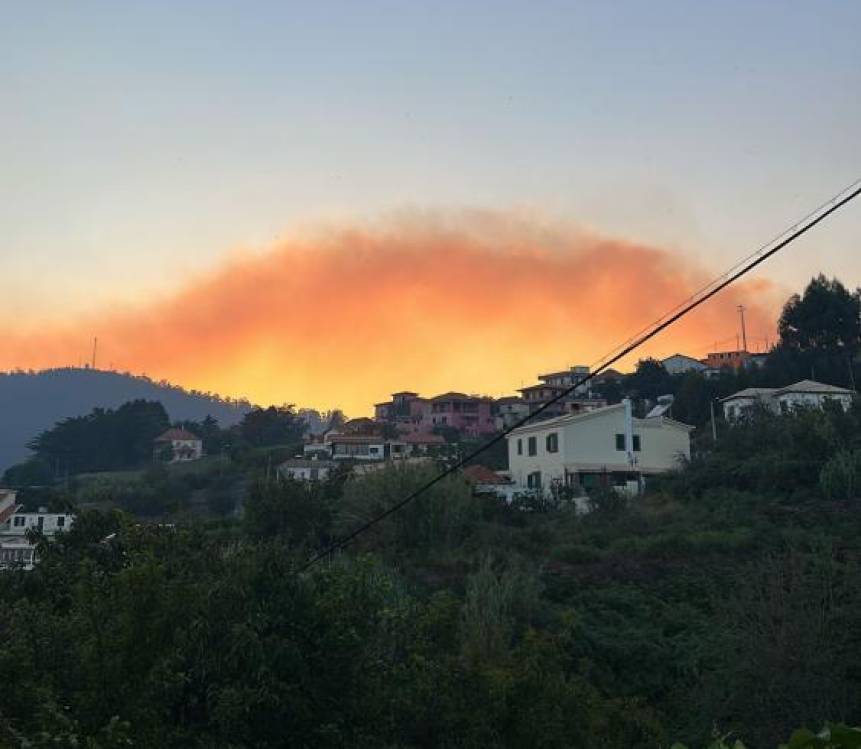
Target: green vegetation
(723,600)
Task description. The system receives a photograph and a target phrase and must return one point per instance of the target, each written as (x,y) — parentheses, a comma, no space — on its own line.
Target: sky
(320,203)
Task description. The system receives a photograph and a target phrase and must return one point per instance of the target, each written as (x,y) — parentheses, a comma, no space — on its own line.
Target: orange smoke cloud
(477,304)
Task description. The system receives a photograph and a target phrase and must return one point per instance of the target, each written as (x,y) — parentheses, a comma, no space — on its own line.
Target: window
(61,521)
(533,480)
(20,520)
(620,442)
(552,443)
(533,446)
(520,447)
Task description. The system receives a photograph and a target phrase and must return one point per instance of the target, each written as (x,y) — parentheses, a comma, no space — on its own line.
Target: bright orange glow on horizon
(342,320)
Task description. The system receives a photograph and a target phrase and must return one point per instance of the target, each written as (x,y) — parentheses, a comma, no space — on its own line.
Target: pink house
(471,414)
(406,409)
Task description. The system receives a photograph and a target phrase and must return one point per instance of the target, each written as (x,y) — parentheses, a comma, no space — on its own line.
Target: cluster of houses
(362,444)
(714,362)
(17,547)
(566,436)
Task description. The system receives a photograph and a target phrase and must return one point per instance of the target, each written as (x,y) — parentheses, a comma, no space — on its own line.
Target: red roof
(483,475)
(9,511)
(177,435)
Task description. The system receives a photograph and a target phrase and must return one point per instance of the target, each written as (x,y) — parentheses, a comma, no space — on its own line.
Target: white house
(604,447)
(303,469)
(15,549)
(810,394)
(185,446)
(680,363)
(364,447)
(803,394)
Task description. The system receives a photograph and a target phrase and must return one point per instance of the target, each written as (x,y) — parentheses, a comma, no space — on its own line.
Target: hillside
(33,401)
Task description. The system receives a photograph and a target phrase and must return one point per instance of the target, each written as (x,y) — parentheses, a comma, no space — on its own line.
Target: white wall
(51,523)
(304,474)
(588,443)
(810,400)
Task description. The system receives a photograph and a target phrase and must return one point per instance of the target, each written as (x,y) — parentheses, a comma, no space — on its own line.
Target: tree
(33,472)
(650,379)
(827,316)
(105,439)
(264,427)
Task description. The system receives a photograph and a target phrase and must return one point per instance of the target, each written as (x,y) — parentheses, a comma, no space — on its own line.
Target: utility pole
(714,427)
(95,348)
(743,330)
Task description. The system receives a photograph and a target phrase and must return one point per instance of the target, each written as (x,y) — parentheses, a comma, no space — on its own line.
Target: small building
(182,446)
(536,397)
(364,447)
(421,443)
(470,414)
(405,408)
(731,359)
(485,481)
(509,410)
(15,547)
(802,394)
(811,394)
(604,447)
(568,377)
(745,401)
(315,446)
(303,469)
(681,363)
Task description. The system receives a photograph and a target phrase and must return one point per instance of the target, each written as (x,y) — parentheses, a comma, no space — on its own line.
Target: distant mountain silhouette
(31,402)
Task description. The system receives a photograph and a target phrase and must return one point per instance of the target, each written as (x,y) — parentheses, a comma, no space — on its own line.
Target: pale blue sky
(140,142)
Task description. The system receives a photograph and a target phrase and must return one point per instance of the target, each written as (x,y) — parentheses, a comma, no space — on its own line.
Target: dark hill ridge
(31,402)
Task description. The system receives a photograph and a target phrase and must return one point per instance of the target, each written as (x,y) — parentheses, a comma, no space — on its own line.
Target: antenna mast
(95,348)
(743,330)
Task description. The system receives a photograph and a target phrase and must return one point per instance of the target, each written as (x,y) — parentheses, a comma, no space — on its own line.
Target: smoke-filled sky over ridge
(323,202)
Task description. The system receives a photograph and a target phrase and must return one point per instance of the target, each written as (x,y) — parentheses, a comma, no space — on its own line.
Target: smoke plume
(477,303)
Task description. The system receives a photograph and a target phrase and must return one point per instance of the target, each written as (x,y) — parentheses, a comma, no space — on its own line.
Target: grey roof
(595,413)
(659,410)
(751,393)
(803,386)
(810,386)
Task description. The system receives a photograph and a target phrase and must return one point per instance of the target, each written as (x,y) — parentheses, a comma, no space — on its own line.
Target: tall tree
(826,317)
(103,440)
(281,425)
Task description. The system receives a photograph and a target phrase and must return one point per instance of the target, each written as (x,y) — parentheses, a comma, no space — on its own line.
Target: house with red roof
(486,481)
(179,445)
